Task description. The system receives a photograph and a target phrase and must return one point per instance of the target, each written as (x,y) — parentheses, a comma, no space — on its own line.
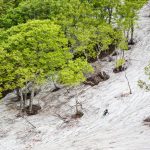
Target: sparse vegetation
(120,62)
(142,84)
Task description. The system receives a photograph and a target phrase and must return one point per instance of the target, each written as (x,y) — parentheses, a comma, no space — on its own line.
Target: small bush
(120,62)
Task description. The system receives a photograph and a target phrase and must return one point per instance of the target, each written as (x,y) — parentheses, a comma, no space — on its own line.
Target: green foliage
(74,72)
(50,38)
(31,51)
(26,10)
(5,5)
(147,70)
(120,62)
(142,84)
(35,50)
(128,14)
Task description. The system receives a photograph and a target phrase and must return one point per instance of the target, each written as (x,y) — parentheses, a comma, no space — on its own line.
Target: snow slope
(121,129)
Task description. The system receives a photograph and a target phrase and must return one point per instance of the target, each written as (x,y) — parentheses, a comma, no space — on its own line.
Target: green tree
(128,15)
(31,53)
(33,50)
(26,10)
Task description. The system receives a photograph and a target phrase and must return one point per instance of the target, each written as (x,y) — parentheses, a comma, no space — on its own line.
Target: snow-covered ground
(121,129)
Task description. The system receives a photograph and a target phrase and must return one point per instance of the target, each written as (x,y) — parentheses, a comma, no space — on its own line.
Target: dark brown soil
(96,78)
(147,120)
(4,93)
(107,52)
(79,114)
(129,47)
(119,69)
(131,43)
(114,53)
(56,89)
(35,110)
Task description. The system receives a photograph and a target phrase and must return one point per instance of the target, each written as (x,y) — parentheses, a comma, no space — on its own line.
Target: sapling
(73,74)
(119,63)
(119,66)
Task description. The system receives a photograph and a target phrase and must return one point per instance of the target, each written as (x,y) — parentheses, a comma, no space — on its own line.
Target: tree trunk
(132,34)
(31,99)
(98,53)
(25,96)
(123,54)
(21,100)
(130,90)
(18,94)
(127,35)
(55,86)
(110,15)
